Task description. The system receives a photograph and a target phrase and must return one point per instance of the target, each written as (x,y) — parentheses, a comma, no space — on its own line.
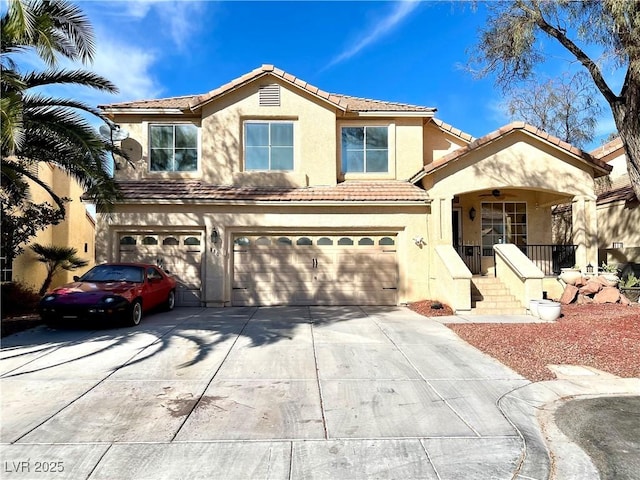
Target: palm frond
(36,102)
(69,77)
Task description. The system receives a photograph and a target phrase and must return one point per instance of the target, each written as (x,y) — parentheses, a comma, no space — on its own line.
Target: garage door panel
(315,270)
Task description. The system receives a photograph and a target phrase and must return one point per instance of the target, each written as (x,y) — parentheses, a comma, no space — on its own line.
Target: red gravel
(606,337)
(429,308)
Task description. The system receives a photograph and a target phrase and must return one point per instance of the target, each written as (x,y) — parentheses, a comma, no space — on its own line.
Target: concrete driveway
(247,393)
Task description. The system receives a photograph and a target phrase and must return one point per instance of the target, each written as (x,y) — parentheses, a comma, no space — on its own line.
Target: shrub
(18,299)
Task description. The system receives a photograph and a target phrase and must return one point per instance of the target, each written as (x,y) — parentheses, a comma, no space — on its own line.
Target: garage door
(180,254)
(315,270)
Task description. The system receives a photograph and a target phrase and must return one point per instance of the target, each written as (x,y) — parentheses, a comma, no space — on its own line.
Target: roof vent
(270,95)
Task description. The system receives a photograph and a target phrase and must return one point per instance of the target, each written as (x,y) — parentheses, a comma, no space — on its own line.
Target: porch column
(585,230)
(441,218)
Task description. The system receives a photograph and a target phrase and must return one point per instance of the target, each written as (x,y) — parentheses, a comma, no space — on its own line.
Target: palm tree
(56,259)
(38,127)
(41,128)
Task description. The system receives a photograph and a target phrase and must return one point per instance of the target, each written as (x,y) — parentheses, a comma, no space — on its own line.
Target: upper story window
(365,149)
(173,148)
(268,145)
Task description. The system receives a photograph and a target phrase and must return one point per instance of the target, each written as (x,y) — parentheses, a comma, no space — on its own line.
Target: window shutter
(270,95)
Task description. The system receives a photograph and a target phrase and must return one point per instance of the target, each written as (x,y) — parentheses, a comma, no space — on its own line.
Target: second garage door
(315,270)
(178,253)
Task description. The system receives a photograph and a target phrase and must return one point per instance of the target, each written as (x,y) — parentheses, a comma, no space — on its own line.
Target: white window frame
(364,150)
(269,123)
(174,124)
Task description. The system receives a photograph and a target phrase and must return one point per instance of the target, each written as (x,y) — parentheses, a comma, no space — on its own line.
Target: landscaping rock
(607,282)
(584,299)
(607,295)
(591,288)
(569,294)
(624,300)
(581,282)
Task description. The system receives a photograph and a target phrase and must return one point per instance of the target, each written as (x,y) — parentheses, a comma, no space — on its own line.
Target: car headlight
(49,298)
(109,299)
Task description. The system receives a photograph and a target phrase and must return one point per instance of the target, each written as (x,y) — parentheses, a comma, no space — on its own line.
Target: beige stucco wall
(316,140)
(77,230)
(437,143)
(619,222)
(407,222)
(517,160)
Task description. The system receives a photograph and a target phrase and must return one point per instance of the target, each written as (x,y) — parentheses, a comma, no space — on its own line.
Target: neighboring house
(77,230)
(618,210)
(270,191)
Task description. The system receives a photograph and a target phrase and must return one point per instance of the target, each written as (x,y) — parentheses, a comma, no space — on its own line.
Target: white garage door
(179,254)
(315,270)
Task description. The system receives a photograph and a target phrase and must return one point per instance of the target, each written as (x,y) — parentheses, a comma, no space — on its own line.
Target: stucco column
(585,230)
(441,232)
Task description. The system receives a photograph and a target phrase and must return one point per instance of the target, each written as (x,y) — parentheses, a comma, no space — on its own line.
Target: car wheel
(135,313)
(171,301)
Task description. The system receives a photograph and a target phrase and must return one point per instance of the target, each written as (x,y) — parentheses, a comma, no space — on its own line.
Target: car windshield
(114,273)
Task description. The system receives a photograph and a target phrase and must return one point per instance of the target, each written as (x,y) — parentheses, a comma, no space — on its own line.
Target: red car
(121,291)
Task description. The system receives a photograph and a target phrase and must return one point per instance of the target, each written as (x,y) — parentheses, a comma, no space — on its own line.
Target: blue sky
(411,51)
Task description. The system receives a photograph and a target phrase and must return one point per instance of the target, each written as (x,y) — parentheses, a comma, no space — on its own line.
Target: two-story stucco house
(77,230)
(270,191)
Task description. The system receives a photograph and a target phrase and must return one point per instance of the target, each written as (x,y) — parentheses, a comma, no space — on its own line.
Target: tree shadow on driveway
(201,331)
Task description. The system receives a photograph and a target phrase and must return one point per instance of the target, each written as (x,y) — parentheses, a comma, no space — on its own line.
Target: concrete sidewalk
(282,392)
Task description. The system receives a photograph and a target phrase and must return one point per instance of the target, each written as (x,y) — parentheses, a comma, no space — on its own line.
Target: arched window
(263,241)
(366,241)
(324,241)
(387,241)
(149,240)
(242,241)
(304,241)
(345,241)
(192,241)
(284,241)
(128,240)
(170,241)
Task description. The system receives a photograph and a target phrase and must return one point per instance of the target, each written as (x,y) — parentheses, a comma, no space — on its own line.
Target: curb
(548,454)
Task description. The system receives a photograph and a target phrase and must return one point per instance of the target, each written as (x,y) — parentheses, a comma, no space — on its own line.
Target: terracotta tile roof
(445,127)
(342,102)
(181,103)
(608,148)
(624,193)
(197,191)
(508,129)
(356,104)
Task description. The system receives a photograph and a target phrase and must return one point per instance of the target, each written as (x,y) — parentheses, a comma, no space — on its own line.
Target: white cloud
(181,19)
(129,67)
(380,29)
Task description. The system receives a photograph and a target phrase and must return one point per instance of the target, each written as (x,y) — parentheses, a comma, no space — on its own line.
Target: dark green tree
(56,259)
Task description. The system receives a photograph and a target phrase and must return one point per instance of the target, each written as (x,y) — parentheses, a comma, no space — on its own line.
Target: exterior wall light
(589,268)
(472,214)
(215,236)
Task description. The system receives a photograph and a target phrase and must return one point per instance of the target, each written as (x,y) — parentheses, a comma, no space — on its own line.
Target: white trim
(268,122)
(144,111)
(151,172)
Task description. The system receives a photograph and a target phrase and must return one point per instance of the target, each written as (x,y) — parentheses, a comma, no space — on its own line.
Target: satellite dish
(115,133)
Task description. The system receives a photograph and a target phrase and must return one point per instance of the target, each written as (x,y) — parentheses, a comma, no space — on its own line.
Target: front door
(456,227)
